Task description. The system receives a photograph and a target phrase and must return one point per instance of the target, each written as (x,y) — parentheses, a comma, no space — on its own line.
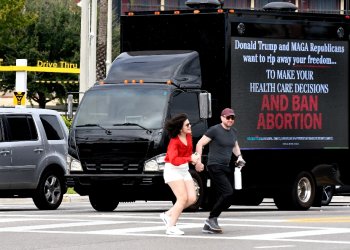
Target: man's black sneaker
(213,224)
(206,229)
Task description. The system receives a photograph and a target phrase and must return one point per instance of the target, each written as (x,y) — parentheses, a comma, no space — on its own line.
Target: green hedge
(67,121)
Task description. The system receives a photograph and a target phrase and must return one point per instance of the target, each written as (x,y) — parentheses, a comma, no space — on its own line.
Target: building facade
(323,6)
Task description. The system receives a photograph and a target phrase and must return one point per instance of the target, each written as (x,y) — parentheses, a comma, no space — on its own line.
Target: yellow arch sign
(19,98)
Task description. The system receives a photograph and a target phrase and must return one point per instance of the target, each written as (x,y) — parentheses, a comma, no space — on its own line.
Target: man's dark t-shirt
(221,145)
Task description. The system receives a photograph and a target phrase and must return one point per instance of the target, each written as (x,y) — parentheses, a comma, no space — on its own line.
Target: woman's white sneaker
(173,230)
(165,218)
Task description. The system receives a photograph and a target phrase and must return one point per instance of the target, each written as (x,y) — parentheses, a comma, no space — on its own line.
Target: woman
(176,174)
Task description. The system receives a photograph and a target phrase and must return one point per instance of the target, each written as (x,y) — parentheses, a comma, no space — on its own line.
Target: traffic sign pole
(21,79)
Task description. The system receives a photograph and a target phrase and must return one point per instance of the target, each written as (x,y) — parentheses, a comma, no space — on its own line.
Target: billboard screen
(290,93)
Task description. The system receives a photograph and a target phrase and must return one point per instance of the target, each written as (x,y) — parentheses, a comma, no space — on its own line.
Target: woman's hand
(194,158)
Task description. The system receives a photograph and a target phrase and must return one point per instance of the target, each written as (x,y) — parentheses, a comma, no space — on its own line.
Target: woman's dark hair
(174,125)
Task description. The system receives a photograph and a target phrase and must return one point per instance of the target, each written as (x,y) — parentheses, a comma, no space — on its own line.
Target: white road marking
(280,246)
(58,225)
(297,234)
(3,220)
(153,227)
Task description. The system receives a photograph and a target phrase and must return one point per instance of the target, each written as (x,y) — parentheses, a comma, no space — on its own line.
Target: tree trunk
(101,41)
(41,100)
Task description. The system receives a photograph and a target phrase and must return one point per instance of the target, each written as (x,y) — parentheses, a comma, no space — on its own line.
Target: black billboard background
(258,77)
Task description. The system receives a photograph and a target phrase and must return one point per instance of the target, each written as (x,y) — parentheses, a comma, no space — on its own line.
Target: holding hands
(194,158)
(199,166)
(196,161)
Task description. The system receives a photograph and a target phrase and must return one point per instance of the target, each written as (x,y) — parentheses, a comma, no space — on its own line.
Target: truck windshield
(143,107)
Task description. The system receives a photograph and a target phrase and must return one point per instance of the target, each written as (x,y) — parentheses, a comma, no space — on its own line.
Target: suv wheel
(49,193)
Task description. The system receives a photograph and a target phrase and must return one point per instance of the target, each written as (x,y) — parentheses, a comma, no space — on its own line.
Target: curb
(67,198)
(74,197)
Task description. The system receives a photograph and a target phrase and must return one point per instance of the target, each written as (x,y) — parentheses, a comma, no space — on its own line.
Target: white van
(33,153)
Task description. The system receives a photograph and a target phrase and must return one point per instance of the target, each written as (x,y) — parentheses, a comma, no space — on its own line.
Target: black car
(331,190)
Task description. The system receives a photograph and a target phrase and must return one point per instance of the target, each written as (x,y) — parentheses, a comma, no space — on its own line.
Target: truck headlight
(73,164)
(154,164)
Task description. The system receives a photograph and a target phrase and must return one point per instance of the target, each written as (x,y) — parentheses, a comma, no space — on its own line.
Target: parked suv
(33,153)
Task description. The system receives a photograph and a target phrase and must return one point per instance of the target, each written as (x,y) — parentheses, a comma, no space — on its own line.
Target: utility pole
(87,45)
(84,48)
(92,40)
(109,36)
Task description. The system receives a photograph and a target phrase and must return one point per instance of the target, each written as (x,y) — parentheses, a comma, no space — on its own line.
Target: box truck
(284,73)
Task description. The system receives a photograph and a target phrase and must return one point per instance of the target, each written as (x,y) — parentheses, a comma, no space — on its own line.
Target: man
(222,140)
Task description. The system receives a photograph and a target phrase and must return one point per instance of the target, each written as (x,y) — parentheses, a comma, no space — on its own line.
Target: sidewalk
(67,198)
(75,198)
(342,199)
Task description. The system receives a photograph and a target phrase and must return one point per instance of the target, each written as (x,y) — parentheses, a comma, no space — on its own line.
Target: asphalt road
(75,225)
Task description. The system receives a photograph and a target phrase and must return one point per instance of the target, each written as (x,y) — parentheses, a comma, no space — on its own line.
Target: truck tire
(254,200)
(327,194)
(299,196)
(103,203)
(50,190)
(198,184)
(247,198)
(209,200)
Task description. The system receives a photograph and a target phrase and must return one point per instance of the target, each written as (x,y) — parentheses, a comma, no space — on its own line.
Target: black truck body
(284,73)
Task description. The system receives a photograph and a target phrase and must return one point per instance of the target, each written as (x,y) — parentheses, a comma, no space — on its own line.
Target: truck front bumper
(127,186)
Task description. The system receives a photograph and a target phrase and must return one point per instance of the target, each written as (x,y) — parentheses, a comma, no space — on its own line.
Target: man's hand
(199,166)
(240,161)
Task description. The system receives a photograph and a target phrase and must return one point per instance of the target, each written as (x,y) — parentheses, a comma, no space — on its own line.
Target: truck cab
(118,141)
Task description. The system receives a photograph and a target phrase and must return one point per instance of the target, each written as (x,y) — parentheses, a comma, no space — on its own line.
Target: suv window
(52,127)
(22,128)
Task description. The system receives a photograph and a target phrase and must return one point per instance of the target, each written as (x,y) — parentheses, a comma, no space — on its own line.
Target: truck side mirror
(70,106)
(205,105)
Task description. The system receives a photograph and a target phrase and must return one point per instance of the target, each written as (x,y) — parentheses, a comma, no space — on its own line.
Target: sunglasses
(230,117)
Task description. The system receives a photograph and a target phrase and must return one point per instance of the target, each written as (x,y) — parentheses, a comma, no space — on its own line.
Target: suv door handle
(5,152)
(38,150)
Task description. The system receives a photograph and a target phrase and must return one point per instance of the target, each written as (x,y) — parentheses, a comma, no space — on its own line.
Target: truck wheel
(198,184)
(303,192)
(255,200)
(248,199)
(50,190)
(327,194)
(300,196)
(103,203)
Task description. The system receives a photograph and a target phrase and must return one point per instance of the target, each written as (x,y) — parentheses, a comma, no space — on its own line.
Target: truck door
(187,102)
(27,150)
(5,157)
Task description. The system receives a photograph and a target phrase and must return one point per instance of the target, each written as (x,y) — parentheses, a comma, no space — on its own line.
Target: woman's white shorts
(175,173)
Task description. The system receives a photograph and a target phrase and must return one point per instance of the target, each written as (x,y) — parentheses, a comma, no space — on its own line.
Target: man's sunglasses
(230,117)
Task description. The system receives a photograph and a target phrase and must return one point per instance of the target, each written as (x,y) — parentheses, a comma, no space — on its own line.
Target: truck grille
(113,167)
(113,156)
